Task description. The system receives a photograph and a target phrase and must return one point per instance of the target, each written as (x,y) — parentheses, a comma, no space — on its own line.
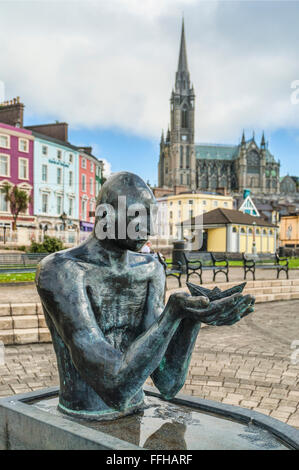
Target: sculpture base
(33,421)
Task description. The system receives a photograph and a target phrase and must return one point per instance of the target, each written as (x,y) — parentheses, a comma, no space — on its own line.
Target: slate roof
(224,152)
(230,216)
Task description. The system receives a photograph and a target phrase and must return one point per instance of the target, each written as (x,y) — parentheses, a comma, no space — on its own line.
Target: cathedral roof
(216,151)
(224,152)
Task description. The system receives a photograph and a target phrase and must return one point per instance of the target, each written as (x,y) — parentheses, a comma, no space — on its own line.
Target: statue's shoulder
(153,261)
(56,265)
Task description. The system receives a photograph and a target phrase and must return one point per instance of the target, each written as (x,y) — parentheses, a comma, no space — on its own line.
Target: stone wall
(23,324)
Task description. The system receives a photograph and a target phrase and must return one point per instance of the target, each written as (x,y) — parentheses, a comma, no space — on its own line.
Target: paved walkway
(246,364)
(28,293)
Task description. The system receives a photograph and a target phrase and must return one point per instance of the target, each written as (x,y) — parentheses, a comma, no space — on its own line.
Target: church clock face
(184,138)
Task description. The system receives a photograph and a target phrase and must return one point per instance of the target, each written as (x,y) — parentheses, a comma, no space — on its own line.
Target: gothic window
(181,156)
(184,117)
(187,157)
(188,180)
(181,179)
(223,182)
(214,182)
(204,182)
(253,162)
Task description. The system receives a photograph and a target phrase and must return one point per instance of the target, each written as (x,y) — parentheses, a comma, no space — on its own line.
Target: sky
(107,67)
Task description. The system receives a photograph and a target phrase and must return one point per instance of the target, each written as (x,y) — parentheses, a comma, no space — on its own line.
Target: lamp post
(253,239)
(64,219)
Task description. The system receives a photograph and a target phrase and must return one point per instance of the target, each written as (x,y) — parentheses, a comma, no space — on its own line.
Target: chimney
(57,130)
(12,112)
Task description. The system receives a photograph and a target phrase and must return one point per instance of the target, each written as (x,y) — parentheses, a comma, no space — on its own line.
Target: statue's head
(124,211)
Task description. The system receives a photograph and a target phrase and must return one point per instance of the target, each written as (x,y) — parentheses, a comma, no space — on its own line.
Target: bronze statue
(104,305)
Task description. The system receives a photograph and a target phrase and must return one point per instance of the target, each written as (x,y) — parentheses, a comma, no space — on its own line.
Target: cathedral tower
(177,165)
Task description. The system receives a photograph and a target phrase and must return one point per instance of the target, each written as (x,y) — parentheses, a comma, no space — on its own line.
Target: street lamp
(63,218)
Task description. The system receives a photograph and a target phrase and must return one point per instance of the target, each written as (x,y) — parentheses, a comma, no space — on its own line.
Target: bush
(49,245)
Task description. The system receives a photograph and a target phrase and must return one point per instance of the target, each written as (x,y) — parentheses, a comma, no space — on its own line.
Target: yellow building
(289,231)
(226,230)
(174,209)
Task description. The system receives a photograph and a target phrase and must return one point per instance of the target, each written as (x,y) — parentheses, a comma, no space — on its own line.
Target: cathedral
(186,166)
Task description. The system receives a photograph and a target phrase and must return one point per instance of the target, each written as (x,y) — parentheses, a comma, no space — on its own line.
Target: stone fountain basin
(32,421)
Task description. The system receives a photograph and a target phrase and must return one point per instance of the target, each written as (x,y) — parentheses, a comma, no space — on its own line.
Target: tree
(49,245)
(18,200)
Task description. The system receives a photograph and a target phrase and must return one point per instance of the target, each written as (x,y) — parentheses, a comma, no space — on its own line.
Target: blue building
(56,187)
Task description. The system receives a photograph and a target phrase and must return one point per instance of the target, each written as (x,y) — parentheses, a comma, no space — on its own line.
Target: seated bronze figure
(104,305)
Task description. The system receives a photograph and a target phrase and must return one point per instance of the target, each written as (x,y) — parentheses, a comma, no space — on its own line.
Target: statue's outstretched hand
(226,311)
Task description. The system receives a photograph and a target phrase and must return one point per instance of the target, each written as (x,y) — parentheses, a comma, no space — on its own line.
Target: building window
(187,157)
(204,203)
(215,203)
(4,141)
(83,163)
(181,179)
(59,204)
(45,200)
(71,206)
(185,118)
(225,204)
(71,179)
(91,167)
(44,173)
(59,176)
(70,158)
(242,230)
(83,207)
(179,203)
(24,145)
(45,150)
(4,165)
(59,155)
(190,201)
(83,183)
(3,202)
(91,185)
(181,156)
(23,168)
(170,214)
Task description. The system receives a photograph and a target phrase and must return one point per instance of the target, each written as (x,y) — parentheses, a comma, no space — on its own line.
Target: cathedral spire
(182,81)
(263,143)
(183,65)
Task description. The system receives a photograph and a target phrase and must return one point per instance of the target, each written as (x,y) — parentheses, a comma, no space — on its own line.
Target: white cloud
(112,63)
(2,91)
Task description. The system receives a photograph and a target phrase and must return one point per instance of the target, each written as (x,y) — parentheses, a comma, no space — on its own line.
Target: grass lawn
(17,277)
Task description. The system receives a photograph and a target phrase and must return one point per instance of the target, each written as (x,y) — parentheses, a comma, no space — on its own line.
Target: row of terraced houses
(62,179)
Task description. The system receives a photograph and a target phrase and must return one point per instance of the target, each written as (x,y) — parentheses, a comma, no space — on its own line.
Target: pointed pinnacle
(183,65)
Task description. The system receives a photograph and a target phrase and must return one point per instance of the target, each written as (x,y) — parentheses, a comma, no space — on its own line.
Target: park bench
(20,262)
(198,261)
(174,269)
(265,261)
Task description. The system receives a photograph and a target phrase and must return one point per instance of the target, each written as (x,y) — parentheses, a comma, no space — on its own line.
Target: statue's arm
(170,375)
(116,377)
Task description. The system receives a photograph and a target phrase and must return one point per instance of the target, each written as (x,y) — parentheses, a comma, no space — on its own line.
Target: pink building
(16,168)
